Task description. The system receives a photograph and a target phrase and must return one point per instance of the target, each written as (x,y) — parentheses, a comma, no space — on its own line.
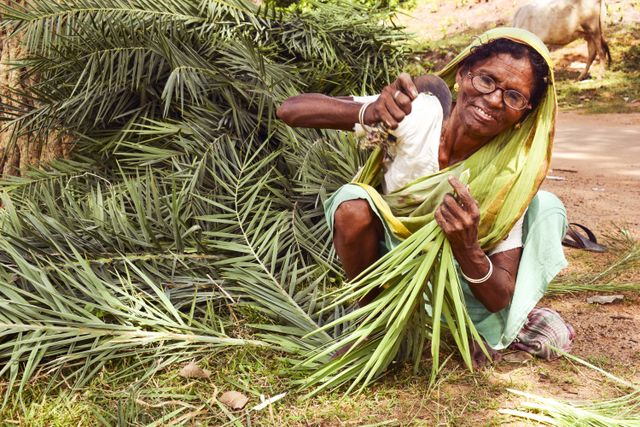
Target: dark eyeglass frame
(473,76)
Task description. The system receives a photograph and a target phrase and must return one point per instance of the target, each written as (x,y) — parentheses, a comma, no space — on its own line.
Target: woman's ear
(459,76)
(459,79)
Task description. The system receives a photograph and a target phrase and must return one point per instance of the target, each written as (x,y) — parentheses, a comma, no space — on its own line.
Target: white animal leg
(603,53)
(591,44)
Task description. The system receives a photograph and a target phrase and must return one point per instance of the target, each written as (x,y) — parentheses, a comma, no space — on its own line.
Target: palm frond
(71,314)
(184,199)
(622,411)
(266,267)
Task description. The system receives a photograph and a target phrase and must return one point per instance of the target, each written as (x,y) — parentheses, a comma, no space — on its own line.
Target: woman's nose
(495,98)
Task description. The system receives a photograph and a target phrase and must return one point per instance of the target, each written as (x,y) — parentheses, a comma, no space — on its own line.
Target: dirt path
(596,169)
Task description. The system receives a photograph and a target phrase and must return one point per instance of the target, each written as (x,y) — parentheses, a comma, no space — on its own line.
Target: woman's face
(486,115)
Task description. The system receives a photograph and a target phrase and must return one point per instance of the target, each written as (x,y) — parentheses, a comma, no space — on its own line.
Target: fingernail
(414,93)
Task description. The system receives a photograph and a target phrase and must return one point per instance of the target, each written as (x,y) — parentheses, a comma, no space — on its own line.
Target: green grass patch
(163,398)
(166,398)
(617,92)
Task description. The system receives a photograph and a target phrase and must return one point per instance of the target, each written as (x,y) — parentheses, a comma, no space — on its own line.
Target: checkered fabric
(544,329)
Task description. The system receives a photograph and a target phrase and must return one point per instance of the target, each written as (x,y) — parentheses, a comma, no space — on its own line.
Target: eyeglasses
(486,85)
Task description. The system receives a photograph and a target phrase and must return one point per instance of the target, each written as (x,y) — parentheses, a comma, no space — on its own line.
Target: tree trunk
(19,151)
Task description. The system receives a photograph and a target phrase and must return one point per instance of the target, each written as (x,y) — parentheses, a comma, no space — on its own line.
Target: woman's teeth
(484,113)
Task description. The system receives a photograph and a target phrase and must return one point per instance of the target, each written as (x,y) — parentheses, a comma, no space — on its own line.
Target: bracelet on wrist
(482,279)
(361,114)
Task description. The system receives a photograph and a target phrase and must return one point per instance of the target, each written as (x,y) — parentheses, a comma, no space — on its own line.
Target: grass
(430,56)
(616,92)
(168,399)
(166,396)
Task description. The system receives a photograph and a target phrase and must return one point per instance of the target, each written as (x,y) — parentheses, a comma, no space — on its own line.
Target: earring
(517,125)
(456,87)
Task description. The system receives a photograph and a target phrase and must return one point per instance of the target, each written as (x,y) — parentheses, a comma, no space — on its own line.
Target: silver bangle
(483,279)
(361,113)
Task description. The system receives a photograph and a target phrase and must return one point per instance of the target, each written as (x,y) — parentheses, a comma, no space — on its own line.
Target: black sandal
(575,239)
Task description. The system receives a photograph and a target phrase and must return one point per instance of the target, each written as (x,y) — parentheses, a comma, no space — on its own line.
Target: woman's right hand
(394,102)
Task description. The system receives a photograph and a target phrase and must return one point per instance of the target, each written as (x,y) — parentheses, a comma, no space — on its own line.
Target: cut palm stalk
(381,326)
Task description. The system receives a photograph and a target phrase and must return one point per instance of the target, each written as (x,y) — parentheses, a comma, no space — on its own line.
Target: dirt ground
(596,173)
(596,170)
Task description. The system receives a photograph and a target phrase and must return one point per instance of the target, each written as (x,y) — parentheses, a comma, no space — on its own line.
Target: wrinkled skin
(509,73)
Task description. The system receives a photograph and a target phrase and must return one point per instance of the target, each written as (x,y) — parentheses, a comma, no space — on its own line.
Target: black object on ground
(576,239)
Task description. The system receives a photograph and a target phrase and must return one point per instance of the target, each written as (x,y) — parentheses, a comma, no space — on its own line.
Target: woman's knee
(549,201)
(548,208)
(355,218)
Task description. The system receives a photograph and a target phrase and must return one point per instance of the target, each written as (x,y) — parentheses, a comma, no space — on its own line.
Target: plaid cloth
(544,328)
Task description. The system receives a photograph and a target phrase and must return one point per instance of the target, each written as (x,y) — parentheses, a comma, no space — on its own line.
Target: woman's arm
(313,110)
(496,293)
(459,222)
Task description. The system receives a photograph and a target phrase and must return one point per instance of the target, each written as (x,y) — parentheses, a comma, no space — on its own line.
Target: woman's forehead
(504,62)
(504,68)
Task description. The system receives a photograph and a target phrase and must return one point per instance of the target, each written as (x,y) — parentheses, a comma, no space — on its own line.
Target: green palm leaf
(184,201)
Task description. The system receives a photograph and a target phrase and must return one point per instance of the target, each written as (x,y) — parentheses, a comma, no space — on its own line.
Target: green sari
(420,271)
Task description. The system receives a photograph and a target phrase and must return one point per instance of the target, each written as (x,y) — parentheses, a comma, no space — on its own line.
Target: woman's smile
(483,114)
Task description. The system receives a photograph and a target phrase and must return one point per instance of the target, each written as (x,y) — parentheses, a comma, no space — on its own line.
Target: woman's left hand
(459,219)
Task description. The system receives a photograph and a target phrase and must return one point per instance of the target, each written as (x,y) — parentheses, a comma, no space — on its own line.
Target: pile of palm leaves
(186,211)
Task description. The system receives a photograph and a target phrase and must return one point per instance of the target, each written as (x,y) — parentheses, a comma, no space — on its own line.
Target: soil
(598,158)
(613,327)
(596,170)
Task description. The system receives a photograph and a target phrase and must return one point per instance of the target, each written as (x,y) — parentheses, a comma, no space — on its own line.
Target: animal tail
(603,42)
(606,51)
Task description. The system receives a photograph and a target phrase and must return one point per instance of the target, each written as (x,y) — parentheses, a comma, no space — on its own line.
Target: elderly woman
(500,129)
